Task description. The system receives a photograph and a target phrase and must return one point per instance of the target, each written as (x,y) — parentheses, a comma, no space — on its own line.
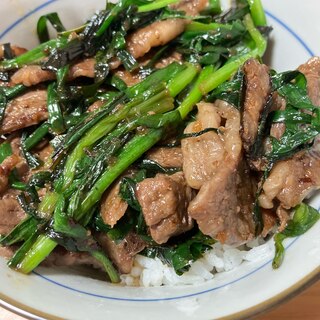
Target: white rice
(148,272)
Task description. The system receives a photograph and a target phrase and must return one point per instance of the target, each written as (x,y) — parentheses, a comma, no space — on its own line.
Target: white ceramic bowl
(251,288)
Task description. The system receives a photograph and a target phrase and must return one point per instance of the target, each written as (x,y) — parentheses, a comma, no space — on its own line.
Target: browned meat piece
(21,167)
(164,201)
(114,63)
(26,110)
(315,150)
(166,157)
(7,252)
(157,34)
(122,253)
(269,221)
(257,92)
(113,207)
(62,258)
(161,32)
(129,78)
(174,57)
(44,152)
(283,216)
(10,212)
(290,181)
(223,206)
(96,105)
(278,129)
(311,70)
(84,68)
(17,51)
(5,168)
(203,154)
(31,75)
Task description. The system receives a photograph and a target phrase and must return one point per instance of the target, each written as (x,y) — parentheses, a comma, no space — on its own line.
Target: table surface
(306,306)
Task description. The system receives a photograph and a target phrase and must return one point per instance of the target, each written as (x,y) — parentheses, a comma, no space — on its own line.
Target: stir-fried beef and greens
(153,128)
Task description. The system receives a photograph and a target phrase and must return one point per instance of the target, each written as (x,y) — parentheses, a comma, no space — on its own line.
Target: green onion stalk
(207,80)
(131,152)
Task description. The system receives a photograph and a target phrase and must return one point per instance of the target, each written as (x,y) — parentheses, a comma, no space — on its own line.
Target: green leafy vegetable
(5,151)
(55,120)
(303,219)
(301,126)
(94,147)
(181,255)
(230,91)
(33,161)
(42,29)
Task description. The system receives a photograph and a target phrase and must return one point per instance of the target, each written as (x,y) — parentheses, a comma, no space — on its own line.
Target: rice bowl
(223,262)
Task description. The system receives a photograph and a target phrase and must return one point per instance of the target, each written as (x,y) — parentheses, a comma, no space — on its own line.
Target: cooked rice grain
(148,272)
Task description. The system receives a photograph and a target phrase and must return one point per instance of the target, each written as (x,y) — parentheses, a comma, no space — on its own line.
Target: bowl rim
(24,310)
(282,297)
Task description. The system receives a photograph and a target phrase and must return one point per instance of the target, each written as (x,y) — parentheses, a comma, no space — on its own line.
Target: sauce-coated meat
(311,70)
(6,168)
(164,201)
(223,207)
(161,32)
(258,88)
(167,157)
(112,207)
(203,154)
(31,75)
(26,110)
(290,181)
(10,212)
(122,252)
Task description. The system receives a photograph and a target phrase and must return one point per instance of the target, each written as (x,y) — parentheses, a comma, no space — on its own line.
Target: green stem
(5,151)
(178,83)
(41,248)
(195,94)
(209,80)
(111,16)
(215,6)
(225,72)
(163,75)
(107,264)
(37,136)
(134,149)
(19,255)
(202,27)
(103,128)
(32,56)
(55,118)
(20,232)
(257,13)
(132,110)
(12,92)
(260,41)
(48,204)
